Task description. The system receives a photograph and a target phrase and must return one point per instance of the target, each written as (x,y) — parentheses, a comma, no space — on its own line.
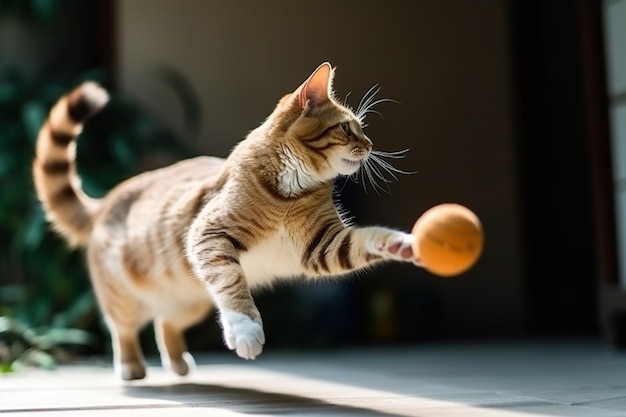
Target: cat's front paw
(396,246)
(242,334)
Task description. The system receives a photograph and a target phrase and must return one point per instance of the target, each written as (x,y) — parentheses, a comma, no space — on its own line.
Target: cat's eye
(346,129)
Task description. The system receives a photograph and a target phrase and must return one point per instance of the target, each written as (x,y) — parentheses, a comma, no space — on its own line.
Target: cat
(172,244)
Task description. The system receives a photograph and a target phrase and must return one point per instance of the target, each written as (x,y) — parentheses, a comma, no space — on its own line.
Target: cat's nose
(368,143)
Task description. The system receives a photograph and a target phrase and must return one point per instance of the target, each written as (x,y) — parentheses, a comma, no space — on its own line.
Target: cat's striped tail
(58,186)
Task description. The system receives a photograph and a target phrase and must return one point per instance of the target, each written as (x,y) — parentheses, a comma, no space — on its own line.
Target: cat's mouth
(350,166)
(352,163)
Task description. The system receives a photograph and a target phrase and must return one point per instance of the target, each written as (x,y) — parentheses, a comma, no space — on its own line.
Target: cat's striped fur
(170,244)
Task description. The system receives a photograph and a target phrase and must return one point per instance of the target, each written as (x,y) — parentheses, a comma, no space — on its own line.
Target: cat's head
(325,136)
(321,138)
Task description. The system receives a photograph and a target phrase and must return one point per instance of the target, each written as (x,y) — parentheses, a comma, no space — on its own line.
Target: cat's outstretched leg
(386,243)
(355,248)
(170,337)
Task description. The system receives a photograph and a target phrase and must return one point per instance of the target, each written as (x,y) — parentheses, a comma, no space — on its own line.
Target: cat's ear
(317,88)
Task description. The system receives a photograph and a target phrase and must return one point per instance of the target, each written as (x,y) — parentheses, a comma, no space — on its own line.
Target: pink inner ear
(316,87)
(302,97)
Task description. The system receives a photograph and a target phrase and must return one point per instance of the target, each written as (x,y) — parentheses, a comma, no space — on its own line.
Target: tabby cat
(171,244)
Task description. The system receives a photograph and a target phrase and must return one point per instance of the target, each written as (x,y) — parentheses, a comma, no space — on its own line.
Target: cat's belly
(271,259)
(175,291)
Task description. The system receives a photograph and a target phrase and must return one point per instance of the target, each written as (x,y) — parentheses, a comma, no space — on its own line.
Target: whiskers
(377,172)
(368,101)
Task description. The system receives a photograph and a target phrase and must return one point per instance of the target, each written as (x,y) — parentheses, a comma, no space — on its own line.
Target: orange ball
(449,239)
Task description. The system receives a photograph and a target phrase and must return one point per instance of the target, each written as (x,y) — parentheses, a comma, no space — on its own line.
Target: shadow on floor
(243,400)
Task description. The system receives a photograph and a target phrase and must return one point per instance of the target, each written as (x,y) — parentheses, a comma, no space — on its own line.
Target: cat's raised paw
(397,246)
(242,334)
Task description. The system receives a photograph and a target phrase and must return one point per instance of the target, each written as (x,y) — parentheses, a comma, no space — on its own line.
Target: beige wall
(446,61)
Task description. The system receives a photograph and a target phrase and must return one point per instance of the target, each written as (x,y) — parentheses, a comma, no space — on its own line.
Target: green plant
(45,294)
(22,345)
(116,144)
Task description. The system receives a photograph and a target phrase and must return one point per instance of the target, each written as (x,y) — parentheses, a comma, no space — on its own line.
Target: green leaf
(29,335)
(39,358)
(84,305)
(6,367)
(55,337)
(12,294)
(92,187)
(6,325)
(33,116)
(8,162)
(34,229)
(40,309)
(13,326)
(9,93)
(122,151)
(45,10)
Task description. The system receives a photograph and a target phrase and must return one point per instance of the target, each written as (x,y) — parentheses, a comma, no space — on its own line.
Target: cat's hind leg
(169,332)
(124,314)
(128,360)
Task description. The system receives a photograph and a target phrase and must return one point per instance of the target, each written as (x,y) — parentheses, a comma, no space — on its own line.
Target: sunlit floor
(500,379)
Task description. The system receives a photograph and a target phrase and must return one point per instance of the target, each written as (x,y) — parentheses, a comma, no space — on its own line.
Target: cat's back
(154,194)
(176,176)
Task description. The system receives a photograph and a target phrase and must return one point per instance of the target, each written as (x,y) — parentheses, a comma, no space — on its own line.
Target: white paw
(242,334)
(396,246)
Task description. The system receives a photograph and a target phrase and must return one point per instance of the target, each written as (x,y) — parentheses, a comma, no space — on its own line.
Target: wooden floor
(562,379)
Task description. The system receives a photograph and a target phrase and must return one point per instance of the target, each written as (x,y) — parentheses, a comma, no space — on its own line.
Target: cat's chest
(273,257)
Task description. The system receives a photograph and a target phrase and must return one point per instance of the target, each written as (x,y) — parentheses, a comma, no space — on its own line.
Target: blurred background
(515,109)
